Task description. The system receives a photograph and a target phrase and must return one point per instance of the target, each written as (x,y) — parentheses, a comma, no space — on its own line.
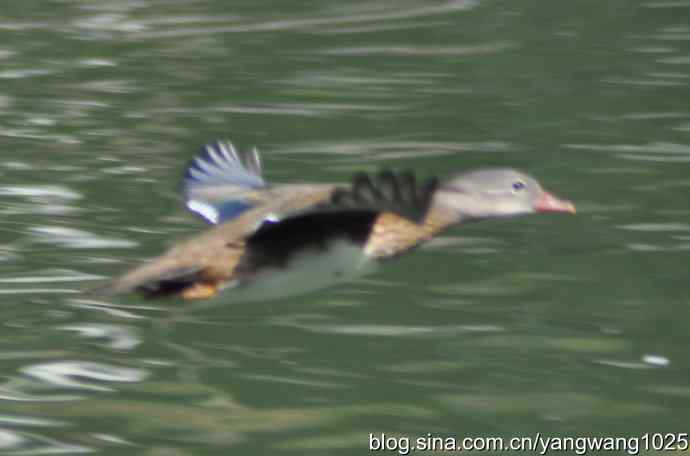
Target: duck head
(495,193)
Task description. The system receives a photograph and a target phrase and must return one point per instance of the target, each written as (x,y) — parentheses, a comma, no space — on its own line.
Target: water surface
(559,325)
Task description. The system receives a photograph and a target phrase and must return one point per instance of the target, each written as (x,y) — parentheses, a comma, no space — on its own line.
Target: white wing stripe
(218,177)
(218,160)
(205,210)
(234,153)
(219,163)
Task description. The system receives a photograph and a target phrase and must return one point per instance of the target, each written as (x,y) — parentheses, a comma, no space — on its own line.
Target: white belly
(306,271)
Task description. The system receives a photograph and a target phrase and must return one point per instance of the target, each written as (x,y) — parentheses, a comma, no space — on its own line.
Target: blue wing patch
(218,182)
(231,209)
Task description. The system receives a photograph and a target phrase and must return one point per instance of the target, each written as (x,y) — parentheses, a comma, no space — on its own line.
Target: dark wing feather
(350,214)
(274,244)
(387,192)
(389,186)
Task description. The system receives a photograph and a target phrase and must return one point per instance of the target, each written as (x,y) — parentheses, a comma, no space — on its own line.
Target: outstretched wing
(394,202)
(398,193)
(219,184)
(199,267)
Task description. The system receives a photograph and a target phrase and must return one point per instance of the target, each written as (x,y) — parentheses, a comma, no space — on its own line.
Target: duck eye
(519,185)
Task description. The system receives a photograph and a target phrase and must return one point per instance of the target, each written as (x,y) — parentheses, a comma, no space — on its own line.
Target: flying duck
(270,241)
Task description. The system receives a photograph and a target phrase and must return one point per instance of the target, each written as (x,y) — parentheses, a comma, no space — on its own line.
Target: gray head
(497,192)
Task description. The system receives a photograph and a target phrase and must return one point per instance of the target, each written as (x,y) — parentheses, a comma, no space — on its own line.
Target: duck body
(337,261)
(275,241)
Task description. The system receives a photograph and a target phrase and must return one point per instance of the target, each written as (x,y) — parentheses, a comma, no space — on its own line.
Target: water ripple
(64,374)
(387,150)
(384,330)
(654,151)
(38,193)
(668,4)
(24,73)
(26,443)
(115,310)
(40,199)
(420,50)
(294,109)
(118,337)
(293,24)
(646,362)
(656,227)
(77,239)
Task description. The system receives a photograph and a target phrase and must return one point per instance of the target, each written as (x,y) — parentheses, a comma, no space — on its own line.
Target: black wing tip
(388,190)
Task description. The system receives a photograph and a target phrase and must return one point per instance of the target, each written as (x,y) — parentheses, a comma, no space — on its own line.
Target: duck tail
(155,280)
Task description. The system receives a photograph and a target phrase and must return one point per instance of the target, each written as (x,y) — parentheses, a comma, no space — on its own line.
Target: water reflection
(73,238)
(656,151)
(45,382)
(40,194)
(409,10)
(556,326)
(24,73)
(116,337)
(113,309)
(64,374)
(647,362)
(18,442)
(312,323)
(364,152)
(419,51)
(662,233)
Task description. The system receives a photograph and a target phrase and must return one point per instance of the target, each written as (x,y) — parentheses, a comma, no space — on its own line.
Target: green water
(568,326)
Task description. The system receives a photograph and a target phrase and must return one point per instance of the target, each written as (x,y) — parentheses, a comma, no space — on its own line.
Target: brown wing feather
(178,271)
(196,267)
(393,235)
